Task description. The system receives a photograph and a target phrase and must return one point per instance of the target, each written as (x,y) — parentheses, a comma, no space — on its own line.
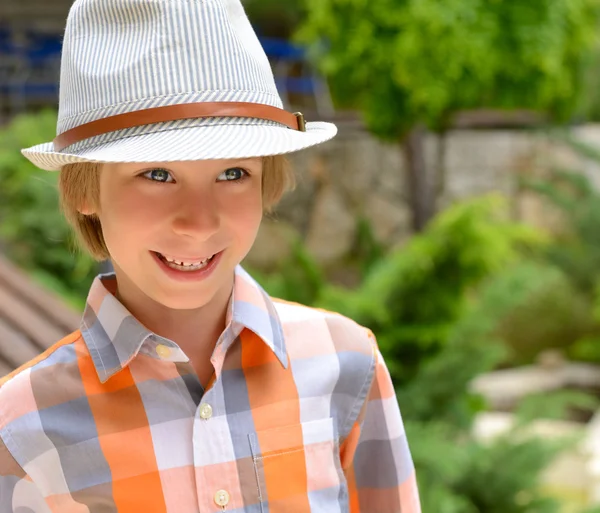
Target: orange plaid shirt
(300,416)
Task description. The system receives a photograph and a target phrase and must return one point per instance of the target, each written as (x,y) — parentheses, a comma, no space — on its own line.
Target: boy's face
(156,213)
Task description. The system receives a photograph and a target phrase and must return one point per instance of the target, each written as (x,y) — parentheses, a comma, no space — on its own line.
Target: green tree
(33,231)
(413,298)
(409,64)
(575,250)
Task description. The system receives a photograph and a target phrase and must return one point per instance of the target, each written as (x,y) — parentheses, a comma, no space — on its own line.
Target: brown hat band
(174,112)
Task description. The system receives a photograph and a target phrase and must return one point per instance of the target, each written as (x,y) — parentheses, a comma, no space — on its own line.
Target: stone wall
(356,175)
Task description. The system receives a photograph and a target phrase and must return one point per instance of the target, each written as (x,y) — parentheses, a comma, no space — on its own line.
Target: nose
(197,216)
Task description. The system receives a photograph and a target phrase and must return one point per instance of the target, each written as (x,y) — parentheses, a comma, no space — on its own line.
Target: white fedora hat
(168,80)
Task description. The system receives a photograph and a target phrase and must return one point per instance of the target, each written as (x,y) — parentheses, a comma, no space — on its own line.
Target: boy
(187,388)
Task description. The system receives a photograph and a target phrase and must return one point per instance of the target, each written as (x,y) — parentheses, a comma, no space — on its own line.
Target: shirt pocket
(298,468)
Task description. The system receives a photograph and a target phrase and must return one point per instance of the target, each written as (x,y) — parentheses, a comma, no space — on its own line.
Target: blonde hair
(79,185)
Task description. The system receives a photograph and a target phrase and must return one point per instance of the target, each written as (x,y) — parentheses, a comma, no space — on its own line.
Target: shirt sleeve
(375,455)
(17,491)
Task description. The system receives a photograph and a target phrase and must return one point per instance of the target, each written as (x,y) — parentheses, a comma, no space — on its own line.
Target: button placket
(203,428)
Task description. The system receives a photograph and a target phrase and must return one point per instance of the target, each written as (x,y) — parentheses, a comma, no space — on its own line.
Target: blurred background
(457,214)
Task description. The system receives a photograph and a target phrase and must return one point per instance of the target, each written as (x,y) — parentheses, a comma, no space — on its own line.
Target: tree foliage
(414,297)
(409,61)
(33,231)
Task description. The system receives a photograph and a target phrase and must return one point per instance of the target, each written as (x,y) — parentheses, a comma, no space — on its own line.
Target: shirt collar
(114,337)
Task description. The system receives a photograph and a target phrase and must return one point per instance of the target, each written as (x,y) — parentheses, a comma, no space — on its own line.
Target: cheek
(244,214)
(129,215)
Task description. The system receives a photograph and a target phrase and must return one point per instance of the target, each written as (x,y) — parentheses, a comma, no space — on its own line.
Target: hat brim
(195,143)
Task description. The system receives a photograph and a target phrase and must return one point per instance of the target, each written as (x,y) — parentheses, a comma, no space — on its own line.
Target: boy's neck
(195,331)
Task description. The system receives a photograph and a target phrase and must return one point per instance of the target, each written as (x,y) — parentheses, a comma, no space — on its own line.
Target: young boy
(187,388)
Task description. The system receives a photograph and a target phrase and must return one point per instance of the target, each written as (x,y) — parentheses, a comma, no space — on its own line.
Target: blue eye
(234,174)
(158,175)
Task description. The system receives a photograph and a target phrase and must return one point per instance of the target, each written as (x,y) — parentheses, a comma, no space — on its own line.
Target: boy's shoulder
(17,389)
(323,326)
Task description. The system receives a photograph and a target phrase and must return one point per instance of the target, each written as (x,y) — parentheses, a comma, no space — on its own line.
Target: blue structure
(286,58)
(30,67)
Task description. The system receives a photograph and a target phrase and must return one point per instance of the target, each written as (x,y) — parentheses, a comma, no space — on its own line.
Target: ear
(86,209)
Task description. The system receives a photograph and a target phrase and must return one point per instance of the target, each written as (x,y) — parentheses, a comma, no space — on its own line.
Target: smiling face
(175,231)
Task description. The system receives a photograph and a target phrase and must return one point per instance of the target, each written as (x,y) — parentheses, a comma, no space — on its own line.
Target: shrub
(32,229)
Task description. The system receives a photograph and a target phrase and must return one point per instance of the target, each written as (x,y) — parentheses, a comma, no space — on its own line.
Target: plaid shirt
(300,416)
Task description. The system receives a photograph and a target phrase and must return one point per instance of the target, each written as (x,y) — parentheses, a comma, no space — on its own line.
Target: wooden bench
(31,318)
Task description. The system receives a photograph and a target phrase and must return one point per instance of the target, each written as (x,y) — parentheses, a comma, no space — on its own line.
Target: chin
(183,300)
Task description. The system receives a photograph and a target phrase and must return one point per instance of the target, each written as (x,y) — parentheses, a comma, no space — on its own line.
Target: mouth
(185,264)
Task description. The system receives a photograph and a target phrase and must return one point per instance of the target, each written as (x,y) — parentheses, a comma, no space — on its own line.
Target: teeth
(187,266)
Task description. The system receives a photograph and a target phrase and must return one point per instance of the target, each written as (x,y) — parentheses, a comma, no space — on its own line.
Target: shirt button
(163,351)
(221,498)
(206,411)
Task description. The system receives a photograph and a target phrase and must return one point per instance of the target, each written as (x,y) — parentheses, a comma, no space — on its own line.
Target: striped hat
(168,80)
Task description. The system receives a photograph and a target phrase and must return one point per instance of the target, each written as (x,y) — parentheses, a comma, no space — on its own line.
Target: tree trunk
(439,180)
(419,184)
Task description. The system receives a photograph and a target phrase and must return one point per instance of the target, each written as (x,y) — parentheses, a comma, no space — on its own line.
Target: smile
(185,264)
